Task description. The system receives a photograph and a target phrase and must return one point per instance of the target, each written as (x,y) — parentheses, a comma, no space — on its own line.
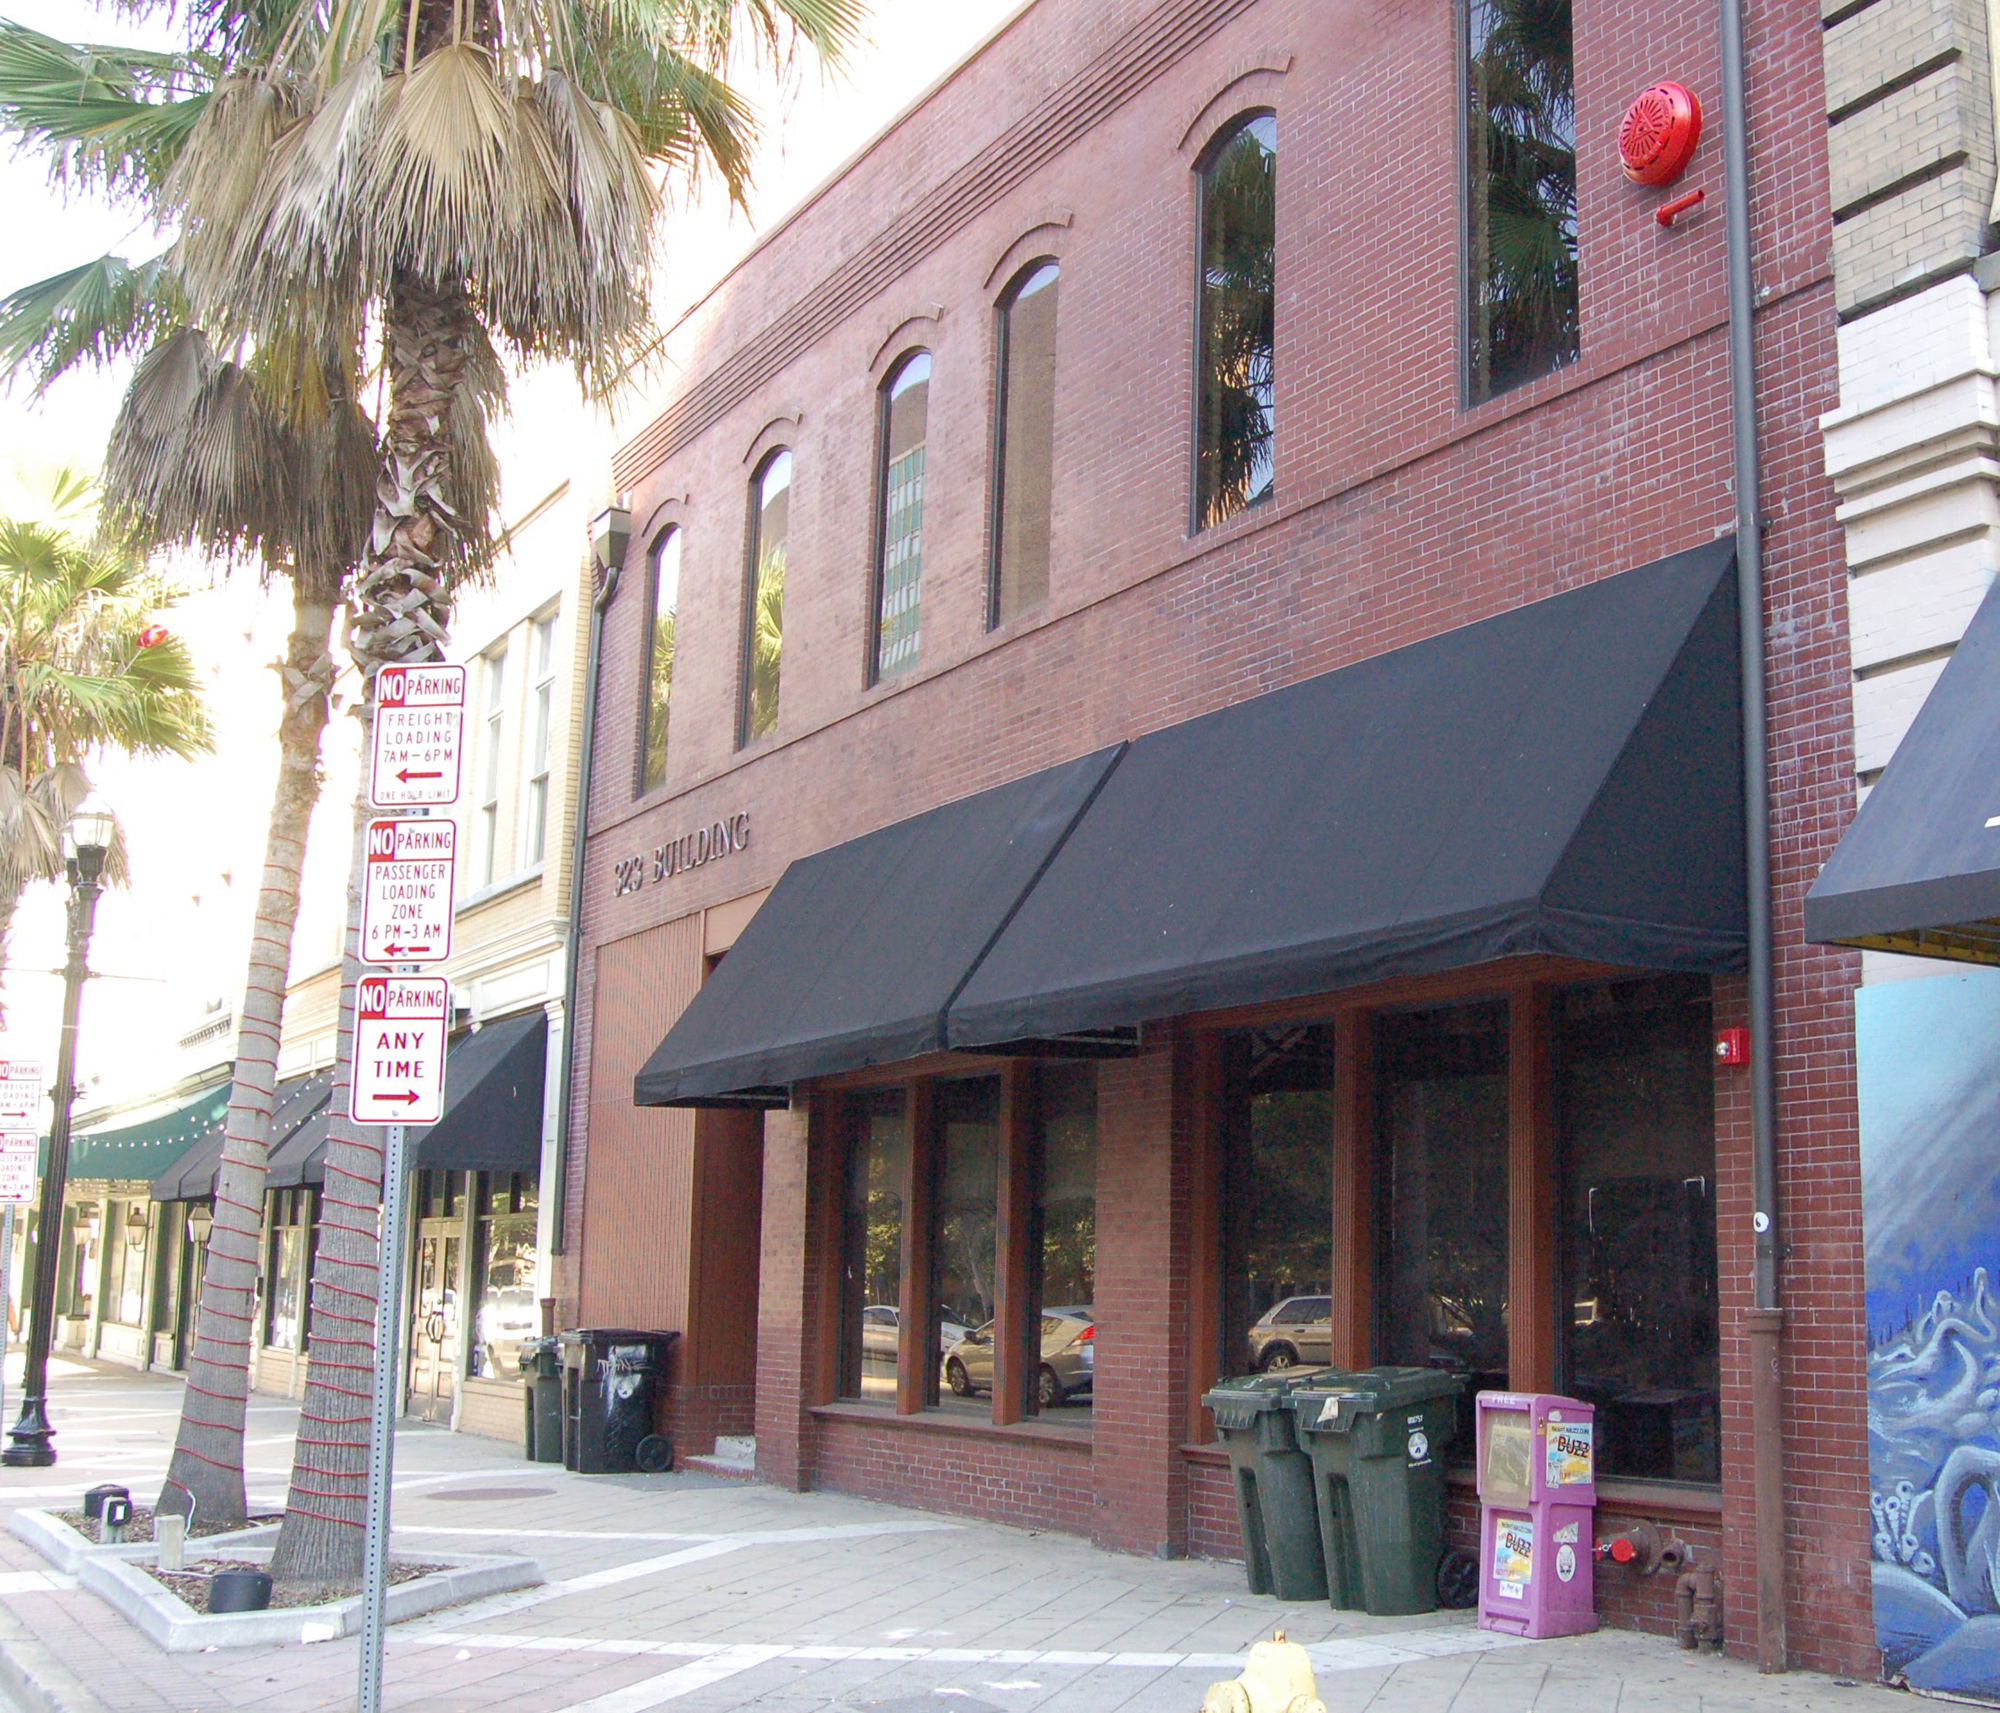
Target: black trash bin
(1273,1479)
(609,1376)
(541,1390)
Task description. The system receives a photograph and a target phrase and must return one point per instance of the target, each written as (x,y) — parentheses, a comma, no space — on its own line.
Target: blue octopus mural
(1929,1062)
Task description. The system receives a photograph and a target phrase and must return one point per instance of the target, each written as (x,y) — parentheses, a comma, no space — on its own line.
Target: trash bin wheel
(654,1454)
(1457,1580)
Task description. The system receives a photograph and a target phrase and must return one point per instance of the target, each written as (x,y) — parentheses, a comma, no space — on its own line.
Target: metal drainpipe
(579,840)
(1765,1318)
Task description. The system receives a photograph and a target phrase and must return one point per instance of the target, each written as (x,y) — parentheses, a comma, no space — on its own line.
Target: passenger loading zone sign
(17,1167)
(419,725)
(400,1024)
(407,898)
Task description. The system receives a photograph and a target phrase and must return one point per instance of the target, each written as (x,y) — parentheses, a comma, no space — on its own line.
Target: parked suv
(1292,1331)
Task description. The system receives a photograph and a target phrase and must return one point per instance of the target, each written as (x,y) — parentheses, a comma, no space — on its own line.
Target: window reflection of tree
(872,1245)
(1278,1137)
(1521,203)
(968,1200)
(1238,338)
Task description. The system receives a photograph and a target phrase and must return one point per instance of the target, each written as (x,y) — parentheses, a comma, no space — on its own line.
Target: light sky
(176,939)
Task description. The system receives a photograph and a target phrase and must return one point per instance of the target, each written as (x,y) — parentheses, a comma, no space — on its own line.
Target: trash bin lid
(1371,1392)
(1254,1393)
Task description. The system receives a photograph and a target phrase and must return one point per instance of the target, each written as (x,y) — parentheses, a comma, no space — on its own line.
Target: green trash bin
(1376,1440)
(1273,1480)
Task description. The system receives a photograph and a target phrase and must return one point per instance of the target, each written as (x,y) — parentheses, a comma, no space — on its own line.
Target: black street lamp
(86,840)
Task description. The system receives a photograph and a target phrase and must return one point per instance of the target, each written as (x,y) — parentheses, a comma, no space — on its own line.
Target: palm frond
(114,118)
(95,313)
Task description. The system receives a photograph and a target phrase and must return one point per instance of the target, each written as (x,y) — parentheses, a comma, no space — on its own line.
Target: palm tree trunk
(404,605)
(205,1478)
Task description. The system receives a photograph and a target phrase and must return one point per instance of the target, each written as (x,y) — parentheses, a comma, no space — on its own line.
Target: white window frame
(538,738)
(492,740)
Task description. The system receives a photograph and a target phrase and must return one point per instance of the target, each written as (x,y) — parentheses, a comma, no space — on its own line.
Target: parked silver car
(1292,1331)
(881,1326)
(1069,1345)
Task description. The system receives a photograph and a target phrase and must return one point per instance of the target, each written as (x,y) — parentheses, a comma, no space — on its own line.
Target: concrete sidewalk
(704,1595)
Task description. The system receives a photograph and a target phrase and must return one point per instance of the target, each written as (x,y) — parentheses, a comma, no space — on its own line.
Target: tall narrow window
(489,773)
(899,565)
(1023,456)
(541,715)
(872,1247)
(964,1258)
(660,658)
(1237,337)
(764,606)
(1520,164)
(1062,1253)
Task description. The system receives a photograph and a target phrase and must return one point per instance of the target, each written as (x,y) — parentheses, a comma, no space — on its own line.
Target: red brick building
(1165,361)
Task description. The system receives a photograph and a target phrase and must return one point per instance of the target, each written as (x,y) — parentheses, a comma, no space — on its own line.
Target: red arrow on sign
(394,948)
(406,775)
(409,1099)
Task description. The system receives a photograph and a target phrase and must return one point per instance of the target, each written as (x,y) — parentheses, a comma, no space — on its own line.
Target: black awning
(192,1176)
(492,1118)
(858,951)
(301,1158)
(1565,778)
(1919,870)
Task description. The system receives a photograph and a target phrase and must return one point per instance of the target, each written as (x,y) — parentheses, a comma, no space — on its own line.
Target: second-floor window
(764,597)
(1024,444)
(541,722)
(660,659)
(1237,332)
(1520,193)
(899,557)
(494,730)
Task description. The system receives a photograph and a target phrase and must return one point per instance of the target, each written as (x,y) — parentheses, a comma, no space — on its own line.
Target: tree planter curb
(69,1550)
(168,1621)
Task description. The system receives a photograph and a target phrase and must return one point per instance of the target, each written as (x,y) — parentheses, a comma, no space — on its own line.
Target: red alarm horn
(153,635)
(1659,135)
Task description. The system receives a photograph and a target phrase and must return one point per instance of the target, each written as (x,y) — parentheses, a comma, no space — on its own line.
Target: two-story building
(1169,788)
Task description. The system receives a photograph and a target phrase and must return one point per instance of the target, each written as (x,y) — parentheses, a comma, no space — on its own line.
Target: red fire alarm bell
(1732,1047)
(1659,135)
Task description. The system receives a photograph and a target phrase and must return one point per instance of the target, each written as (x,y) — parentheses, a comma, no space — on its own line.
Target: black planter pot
(239,1591)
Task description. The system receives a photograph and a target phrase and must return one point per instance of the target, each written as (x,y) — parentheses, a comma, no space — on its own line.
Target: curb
(69,1551)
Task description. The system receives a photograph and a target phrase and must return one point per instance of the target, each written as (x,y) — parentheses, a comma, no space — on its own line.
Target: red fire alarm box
(1732,1046)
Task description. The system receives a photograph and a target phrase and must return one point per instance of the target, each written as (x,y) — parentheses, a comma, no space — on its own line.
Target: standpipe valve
(1278,1678)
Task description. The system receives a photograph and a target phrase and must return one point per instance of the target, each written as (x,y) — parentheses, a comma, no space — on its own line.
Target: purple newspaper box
(1537,1496)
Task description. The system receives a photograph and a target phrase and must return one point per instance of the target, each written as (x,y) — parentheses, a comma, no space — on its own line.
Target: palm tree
(467,181)
(83,669)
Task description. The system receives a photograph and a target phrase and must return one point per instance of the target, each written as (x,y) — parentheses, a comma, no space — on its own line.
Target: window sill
(875,1415)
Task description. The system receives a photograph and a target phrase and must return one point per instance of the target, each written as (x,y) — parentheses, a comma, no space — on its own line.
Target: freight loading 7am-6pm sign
(419,730)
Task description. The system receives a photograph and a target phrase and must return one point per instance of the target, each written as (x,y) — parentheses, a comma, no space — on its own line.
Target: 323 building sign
(719,839)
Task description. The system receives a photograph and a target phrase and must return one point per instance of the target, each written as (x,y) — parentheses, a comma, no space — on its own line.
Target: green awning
(145,1149)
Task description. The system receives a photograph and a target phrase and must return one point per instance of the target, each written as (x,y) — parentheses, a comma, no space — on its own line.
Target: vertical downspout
(579,840)
(1765,1318)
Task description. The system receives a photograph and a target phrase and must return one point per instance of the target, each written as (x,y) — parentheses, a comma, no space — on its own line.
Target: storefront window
(504,1256)
(872,1258)
(1278,1188)
(79,1271)
(1063,1246)
(1636,1118)
(964,1254)
(283,1284)
(1442,1208)
(125,1297)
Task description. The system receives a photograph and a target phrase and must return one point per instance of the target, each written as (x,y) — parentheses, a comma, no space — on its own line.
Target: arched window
(1236,335)
(1024,440)
(764,596)
(666,593)
(899,523)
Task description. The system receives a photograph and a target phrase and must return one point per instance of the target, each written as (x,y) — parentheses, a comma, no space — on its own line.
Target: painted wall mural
(1929,1063)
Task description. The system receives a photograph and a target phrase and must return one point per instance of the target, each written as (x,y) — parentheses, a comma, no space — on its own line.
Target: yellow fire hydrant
(1277,1679)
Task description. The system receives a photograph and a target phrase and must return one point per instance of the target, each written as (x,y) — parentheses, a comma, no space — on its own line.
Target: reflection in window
(964,1255)
(1441,1081)
(764,608)
(660,658)
(1063,1248)
(504,1310)
(284,1278)
(872,1247)
(1024,452)
(1520,158)
(1238,335)
(125,1298)
(899,568)
(1636,1116)
(1278,1219)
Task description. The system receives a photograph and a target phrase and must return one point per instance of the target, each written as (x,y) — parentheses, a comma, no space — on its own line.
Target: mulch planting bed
(140,1528)
(192,1585)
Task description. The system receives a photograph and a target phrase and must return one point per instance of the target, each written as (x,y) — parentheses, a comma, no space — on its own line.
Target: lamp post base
(33,1439)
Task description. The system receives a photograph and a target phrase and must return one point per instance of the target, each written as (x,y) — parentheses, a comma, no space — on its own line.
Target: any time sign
(400,1025)
(406,902)
(419,725)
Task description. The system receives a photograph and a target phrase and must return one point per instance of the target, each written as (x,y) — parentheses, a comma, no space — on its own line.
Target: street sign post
(406,902)
(419,729)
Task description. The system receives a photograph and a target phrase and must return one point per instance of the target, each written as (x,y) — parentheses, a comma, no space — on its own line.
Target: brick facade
(1399,513)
